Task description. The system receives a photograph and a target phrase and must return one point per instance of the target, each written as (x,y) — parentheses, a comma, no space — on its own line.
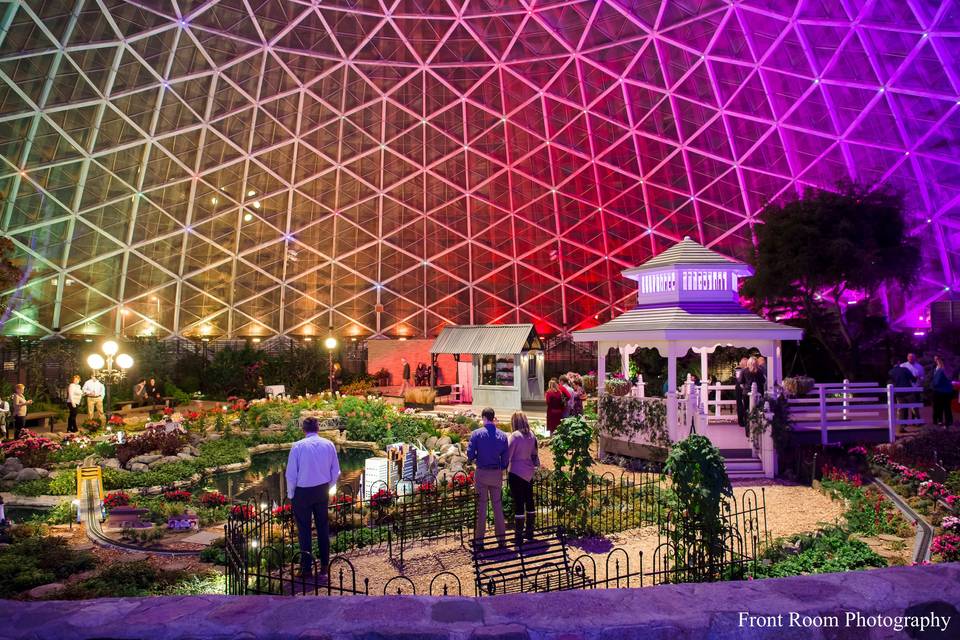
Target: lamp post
(104,369)
(330,343)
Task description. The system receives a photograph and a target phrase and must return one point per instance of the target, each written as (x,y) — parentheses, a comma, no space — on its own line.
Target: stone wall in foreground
(682,612)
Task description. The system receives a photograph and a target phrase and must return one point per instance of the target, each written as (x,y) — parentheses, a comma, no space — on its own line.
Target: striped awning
(491,339)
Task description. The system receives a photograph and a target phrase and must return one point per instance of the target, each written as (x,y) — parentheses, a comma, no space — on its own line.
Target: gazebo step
(736,453)
(742,466)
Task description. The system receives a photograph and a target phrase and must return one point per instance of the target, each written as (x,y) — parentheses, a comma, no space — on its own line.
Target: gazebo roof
(685,252)
(707,321)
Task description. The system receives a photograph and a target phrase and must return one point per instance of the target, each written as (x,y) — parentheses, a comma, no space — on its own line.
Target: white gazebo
(688,300)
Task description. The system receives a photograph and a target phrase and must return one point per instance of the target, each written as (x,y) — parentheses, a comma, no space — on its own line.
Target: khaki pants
(489,485)
(94,406)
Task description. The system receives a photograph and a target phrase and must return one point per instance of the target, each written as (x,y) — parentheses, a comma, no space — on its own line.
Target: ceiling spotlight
(256,204)
(214,200)
(247,217)
(251,193)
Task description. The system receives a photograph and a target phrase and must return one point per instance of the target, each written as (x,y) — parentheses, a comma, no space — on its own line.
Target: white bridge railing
(846,405)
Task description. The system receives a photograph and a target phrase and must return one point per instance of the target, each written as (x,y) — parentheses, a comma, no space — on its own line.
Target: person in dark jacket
(942,395)
(901,377)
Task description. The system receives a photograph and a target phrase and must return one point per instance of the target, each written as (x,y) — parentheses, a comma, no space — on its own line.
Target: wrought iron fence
(263,556)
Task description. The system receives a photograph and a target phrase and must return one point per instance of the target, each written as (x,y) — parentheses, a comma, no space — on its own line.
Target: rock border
(924,536)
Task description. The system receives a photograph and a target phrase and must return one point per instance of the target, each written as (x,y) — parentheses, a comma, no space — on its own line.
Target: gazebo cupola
(687,272)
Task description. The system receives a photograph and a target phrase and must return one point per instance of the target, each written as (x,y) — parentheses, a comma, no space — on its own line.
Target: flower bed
(933,500)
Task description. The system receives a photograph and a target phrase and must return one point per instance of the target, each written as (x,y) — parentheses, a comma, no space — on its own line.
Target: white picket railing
(846,405)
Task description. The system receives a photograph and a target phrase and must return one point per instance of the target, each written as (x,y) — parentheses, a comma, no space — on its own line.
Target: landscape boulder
(138,467)
(111,463)
(163,460)
(28,474)
(145,459)
(12,464)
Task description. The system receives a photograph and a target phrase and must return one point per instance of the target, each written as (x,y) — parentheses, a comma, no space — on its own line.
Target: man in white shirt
(94,390)
(74,398)
(312,469)
(917,370)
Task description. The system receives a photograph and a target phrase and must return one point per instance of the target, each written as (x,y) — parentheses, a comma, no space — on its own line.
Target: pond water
(265,475)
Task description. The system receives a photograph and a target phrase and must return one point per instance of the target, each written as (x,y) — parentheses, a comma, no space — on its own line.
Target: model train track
(91,518)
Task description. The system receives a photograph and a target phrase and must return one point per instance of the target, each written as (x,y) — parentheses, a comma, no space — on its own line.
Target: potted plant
(796,386)
(617,386)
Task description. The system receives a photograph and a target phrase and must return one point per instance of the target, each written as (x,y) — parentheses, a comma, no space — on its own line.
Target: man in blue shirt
(488,449)
(312,468)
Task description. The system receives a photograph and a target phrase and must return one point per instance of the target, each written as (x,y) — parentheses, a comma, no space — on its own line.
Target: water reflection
(265,475)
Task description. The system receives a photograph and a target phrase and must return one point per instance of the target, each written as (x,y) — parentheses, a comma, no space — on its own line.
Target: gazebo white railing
(855,406)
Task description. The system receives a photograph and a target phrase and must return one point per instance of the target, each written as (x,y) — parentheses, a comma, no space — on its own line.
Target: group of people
(910,373)
(749,371)
(564,398)
(313,468)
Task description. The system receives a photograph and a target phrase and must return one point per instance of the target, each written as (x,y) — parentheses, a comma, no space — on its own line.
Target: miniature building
(128,518)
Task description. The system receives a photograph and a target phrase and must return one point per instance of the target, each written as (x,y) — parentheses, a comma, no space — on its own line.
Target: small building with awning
(506,359)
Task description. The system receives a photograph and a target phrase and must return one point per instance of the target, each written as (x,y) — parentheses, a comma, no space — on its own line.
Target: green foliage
(356,539)
(699,485)
(36,560)
(125,579)
(367,420)
(572,460)
(814,249)
(626,416)
(773,414)
(215,552)
(830,551)
(180,397)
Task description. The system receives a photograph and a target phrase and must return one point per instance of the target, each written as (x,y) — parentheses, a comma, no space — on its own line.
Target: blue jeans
(310,504)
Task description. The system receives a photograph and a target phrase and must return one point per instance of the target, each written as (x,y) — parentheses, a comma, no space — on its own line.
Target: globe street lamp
(330,343)
(105,371)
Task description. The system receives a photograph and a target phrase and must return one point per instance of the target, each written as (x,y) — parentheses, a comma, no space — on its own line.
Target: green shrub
(33,561)
(125,579)
(215,552)
(830,552)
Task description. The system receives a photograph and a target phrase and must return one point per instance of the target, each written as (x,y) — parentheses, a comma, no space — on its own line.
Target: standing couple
(494,452)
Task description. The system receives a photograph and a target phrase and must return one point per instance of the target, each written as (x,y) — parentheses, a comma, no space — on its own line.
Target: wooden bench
(39,417)
(537,566)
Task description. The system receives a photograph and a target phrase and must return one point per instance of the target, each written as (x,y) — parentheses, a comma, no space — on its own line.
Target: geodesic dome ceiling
(262,167)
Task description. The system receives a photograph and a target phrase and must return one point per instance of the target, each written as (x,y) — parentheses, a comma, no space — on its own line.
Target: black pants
(942,412)
(743,406)
(19,422)
(72,419)
(521,492)
(310,504)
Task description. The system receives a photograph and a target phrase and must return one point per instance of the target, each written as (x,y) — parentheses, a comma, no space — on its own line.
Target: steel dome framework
(265,167)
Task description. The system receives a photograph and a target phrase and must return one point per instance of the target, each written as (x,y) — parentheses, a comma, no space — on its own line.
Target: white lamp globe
(95,360)
(110,348)
(330,343)
(124,361)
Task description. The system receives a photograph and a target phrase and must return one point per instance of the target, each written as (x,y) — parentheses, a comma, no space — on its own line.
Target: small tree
(572,460)
(814,250)
(696,527)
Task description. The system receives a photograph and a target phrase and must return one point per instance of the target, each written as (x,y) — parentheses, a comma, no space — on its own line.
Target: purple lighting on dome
(519,153)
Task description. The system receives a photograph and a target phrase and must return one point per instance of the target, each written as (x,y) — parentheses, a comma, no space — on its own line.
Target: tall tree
(816,253)
(10,277)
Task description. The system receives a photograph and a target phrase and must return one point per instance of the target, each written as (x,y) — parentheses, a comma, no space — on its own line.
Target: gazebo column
(602,348)
(704,386)
(776,364)
(671,396)
(672,374)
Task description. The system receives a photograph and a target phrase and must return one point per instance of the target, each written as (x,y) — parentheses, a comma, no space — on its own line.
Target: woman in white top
(19,404)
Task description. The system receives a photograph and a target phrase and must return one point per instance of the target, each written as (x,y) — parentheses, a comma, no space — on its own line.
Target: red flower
(213,499)
(426,487)
(341,503)
(178,495)
(168,411)
(283,513)
(116,499)
(381,499)
(116,420)
(243,512)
